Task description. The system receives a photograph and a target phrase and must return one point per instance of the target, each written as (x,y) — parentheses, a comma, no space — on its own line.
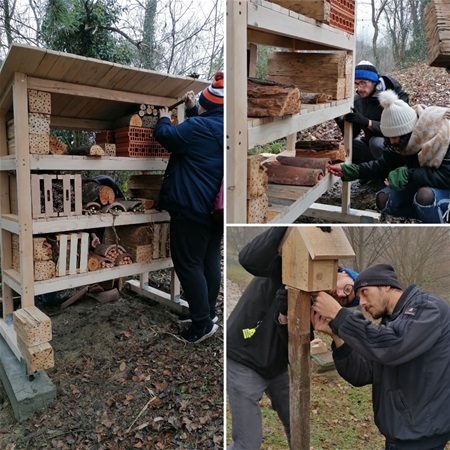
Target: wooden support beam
(299,370)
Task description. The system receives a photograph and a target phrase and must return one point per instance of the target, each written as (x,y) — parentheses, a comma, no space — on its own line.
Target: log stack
(34,332)
(137,239)
(437,31)
(115,253)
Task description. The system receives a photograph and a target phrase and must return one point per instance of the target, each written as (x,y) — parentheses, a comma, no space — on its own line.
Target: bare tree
(376,15)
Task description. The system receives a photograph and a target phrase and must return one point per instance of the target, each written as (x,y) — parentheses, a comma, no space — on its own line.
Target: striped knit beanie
(212,96)
(365,70)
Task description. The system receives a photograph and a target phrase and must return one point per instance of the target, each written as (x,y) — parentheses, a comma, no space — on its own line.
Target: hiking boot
(193,335)
(186,318)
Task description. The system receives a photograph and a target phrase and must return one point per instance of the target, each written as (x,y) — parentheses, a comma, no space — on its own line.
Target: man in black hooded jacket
(366,112)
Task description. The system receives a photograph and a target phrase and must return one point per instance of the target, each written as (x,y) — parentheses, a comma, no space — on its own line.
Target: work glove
(281,297)
(357,118)
(350,172)
(398,178)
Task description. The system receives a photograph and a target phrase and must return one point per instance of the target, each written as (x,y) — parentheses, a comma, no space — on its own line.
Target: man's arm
(260,257)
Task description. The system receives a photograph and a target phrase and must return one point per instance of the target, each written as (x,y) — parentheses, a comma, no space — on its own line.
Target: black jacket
(370,107)
(407,360)
(266,350)
(418,176)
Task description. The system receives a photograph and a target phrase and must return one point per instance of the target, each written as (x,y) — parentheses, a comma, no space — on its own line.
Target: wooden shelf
(12,277)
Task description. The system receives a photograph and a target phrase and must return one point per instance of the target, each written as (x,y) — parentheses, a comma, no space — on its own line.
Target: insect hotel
(310,263)
(48,211)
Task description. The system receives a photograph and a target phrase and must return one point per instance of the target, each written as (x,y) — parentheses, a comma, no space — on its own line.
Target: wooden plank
(84,252)
(20,110)
(236,82)
(73,254)
(38,357)
(62,257)
(156,240)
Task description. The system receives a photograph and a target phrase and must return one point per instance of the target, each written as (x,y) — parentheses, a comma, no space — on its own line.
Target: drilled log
(310,163)
(134,120)
(94,192)
(88,150)
(332,150)
(296,176)
(56,146)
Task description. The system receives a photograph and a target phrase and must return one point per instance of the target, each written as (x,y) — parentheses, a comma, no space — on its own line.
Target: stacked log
(137,239)
(292,175)
(96,193)
(114,253)
(87,150)
(437,26)
(271,99)
(96,262)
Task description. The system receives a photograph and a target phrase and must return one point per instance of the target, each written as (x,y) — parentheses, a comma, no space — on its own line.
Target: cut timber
(44,270)
(313,98)
(300,69)
(145,186)
(257,209)
(315,9)
(110,149)
(39,143)
(94,192)
(291,175)
(269,98)
(310,163)
(42,250)
(137,239)
(39,357)
(32,326)
(332,150)
(437,31)
(56,146)
(38,123)
(256,176)
(96,262)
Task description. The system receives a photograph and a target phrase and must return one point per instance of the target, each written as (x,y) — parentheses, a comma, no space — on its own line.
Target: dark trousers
(195,250)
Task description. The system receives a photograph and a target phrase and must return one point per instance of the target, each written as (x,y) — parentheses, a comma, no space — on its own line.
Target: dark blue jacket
(195,169)
(407,360)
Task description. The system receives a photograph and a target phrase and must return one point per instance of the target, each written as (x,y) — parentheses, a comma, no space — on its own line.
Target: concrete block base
(26,396)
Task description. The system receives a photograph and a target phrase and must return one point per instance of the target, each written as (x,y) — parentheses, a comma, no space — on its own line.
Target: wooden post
(299,368)
(310,258)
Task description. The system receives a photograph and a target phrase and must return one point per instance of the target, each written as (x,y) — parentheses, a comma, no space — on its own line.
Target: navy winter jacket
(195,169)
(407,360)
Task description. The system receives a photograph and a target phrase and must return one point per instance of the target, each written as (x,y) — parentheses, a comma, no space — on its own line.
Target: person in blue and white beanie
(366,112)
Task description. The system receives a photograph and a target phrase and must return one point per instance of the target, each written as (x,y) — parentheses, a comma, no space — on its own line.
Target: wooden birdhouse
(310,257)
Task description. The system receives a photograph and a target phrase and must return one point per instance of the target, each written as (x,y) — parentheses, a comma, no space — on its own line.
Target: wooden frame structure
(310,263)
(86,94)
(259,22)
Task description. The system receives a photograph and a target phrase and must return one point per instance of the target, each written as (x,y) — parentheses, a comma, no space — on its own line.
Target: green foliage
(84,28)
(274,147)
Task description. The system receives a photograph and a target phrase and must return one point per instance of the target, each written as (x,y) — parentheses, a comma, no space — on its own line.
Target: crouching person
(416,165)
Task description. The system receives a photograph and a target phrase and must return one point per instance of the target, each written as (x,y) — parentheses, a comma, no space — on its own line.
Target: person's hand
(398,178)
(164,112)
(281,297)
(325,305)
(357,118)
(189,99)
(320,323)
(335,169)
(95,240)
(350,172)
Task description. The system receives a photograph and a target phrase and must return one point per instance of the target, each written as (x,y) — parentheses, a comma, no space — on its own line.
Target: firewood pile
(115,253)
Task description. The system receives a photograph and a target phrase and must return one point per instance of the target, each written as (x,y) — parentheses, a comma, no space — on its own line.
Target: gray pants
(363,152)
(245,389)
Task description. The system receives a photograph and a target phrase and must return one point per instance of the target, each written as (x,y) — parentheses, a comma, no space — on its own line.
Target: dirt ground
(124,381)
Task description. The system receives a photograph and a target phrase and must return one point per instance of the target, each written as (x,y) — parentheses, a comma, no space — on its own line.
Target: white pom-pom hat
(397,118)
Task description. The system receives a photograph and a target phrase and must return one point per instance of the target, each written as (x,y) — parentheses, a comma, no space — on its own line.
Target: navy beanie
(377,275)
(365,70)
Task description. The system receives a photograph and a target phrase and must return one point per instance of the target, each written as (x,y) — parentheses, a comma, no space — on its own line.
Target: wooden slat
(62,259)
(84,252)
(73,253)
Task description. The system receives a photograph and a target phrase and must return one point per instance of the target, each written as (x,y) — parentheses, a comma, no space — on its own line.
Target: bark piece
(270,98)
(295,176)
(332,150)
(437,26)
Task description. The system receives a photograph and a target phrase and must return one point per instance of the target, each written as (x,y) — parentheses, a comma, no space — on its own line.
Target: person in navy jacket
(191,183)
